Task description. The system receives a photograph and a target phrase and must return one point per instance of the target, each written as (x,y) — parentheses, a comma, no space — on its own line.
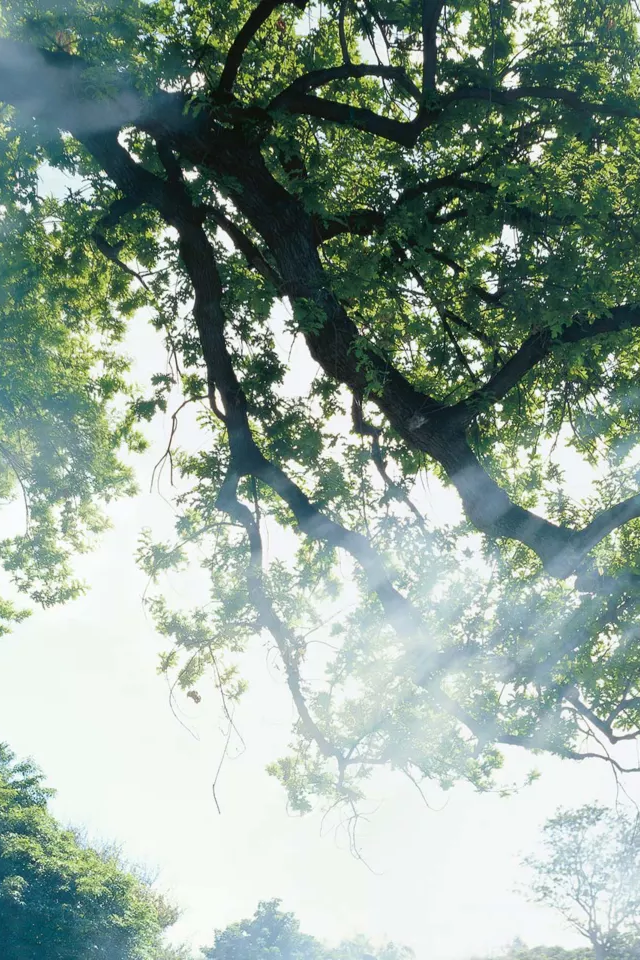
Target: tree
(269,933)
(446,196)
(272,934)
(60,899)
(590,873)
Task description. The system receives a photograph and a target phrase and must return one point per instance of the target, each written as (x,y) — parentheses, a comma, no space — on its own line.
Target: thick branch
(609,520)
(431,10)
(540,345)
(346,71)
(631,703)
(361,118)
(406,133)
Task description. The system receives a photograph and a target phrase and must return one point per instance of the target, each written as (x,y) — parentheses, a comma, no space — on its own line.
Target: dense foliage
(439,203)
(60,899)
(590,872)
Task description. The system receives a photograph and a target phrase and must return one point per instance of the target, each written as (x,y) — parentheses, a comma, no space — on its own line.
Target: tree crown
(438,203)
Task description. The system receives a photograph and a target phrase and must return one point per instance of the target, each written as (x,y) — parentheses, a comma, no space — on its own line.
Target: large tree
(444,199)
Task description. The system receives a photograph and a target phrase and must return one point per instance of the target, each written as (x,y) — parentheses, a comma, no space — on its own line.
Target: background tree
(59,898)
(272,933)
(269,933)
(590,873)
(438,203)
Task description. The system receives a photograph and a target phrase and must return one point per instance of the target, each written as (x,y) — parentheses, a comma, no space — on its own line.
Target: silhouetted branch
(604,726)
(245,35)
(344,46)
(395,490)
(346,71)
(244,244)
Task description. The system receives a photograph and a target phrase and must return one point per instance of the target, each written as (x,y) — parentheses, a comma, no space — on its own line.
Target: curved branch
(245,35)
(570,98)
(490,733)
(609,520)
(605,727)
(631,703)
(346,71)
(286,642)
(406,133)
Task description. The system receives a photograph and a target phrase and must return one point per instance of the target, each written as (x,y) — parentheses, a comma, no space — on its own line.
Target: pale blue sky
(79,693)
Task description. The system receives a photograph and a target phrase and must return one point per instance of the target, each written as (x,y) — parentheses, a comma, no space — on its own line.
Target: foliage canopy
(440,201)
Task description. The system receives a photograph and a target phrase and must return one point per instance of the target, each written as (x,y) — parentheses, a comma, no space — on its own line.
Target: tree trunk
(599,949)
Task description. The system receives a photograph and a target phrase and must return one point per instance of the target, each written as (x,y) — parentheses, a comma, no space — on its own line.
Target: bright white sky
(80,694)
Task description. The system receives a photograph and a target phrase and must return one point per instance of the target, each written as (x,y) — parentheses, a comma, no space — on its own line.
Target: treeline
(61,899)
(520,951)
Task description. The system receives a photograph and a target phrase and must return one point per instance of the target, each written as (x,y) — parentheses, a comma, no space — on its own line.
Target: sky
(80,694)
